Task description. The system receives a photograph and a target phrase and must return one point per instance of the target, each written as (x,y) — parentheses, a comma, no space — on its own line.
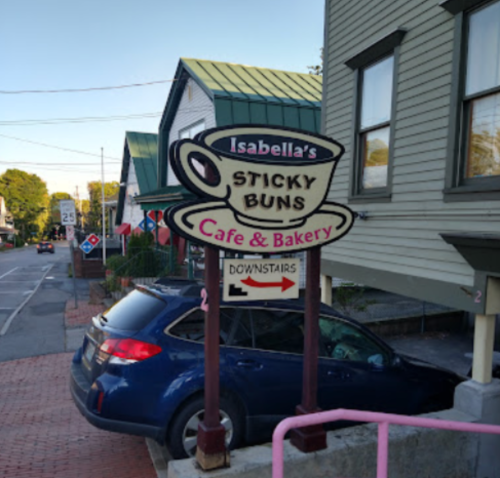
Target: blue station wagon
(140,369)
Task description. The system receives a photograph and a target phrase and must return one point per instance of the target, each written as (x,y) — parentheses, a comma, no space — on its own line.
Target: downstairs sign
(261,279)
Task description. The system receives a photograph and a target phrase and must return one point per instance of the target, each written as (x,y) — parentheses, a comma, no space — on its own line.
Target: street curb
(159,456)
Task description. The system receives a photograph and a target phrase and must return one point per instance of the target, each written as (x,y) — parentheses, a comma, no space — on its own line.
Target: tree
(317,69)
(484,154)
(55,213)
(27,199)
(95,196)
(84,204)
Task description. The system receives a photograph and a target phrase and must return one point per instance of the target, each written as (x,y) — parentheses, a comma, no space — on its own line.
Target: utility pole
(103,211)
(79,207)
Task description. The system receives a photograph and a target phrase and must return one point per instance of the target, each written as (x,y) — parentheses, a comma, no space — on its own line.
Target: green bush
(138,243)
(17,241)
(115,262)
(112,283)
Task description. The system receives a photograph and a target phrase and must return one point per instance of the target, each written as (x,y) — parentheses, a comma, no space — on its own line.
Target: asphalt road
(34,289)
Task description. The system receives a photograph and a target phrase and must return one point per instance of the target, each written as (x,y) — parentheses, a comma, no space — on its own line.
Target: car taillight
(38,246)
(50,245)
(130,349)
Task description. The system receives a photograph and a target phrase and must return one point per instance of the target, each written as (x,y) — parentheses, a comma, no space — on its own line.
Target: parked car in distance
(140,369)
(45,246)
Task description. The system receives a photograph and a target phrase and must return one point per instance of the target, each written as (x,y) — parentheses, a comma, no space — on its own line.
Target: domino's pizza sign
(90,242)
(148,225)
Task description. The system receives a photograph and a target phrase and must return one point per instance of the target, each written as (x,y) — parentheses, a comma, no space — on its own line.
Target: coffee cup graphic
(269,177)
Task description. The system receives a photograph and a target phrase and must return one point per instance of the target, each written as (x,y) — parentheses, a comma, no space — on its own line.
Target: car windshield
(134,311)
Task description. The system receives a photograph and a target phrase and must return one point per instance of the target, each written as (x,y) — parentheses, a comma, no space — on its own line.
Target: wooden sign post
(264,192)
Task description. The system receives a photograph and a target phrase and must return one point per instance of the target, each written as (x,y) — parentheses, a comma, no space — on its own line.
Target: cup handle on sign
(187,169)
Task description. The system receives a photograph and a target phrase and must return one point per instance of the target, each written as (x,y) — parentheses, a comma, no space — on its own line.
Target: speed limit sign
(68,215)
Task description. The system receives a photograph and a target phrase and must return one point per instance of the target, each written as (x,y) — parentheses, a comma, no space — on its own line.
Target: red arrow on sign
(284,284)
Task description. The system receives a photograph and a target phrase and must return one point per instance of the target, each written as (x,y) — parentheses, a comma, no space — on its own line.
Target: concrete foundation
(352,452)
(482,401)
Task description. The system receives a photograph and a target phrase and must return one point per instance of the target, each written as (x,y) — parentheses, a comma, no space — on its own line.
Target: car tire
(435,404)
(181,438)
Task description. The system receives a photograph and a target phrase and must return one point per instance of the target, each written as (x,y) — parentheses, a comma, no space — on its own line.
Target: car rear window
(134,311)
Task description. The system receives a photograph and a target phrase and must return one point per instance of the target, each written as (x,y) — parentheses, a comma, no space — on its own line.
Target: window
(192,131)
(134,311)
(278,330)
(192,327)
(375,71)
(188,133)
(375,121)
(473,171)
(343,341)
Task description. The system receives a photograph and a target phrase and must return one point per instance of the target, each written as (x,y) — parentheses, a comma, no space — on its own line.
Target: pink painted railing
(383,420)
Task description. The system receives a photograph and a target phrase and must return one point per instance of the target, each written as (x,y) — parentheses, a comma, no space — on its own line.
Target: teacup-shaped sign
(270,177)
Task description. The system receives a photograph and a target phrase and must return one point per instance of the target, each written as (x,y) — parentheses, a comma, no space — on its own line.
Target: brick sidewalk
(43,434)
(82,315)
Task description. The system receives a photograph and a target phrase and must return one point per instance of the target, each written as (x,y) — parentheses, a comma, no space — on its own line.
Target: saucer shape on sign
(215,224)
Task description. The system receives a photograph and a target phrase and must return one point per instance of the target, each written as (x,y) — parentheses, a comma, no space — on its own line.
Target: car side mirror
(396,361)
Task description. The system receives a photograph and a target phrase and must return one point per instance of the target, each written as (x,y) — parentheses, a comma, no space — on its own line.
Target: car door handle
(250,364)
(339,374)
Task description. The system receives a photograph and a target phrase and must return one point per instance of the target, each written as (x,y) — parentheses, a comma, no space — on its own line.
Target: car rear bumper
(80,389)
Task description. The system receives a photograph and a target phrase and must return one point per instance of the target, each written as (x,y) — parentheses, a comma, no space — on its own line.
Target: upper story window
(376,100)
(187,133)
(375,70)
(473,169)
(482,94)
(192,131)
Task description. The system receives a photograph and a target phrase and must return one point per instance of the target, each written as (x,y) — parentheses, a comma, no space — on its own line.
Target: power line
(82,90)
(55,164)
(57,147)
(83,119)
(65,170)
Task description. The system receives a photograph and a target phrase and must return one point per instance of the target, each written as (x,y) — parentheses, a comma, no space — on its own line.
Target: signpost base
(308,439)
(211,452)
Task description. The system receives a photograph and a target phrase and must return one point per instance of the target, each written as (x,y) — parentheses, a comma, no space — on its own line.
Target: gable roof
(248,94)
(142,148)
(245,95)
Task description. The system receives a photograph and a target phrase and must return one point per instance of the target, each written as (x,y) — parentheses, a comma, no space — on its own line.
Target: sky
(78,44)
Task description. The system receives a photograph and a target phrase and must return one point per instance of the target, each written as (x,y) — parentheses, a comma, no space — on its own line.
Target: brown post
(211,450)
(310,438)
(157,230)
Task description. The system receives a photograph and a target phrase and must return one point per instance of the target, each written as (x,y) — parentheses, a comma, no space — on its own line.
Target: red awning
(123,229)
(163,235)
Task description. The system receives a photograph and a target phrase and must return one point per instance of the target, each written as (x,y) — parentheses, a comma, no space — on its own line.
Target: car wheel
(436,404)
(183,431)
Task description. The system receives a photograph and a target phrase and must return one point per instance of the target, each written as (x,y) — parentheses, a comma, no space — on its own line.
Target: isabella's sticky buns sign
(269,192)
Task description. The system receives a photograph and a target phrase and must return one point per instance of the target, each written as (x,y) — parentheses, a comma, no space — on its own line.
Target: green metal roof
(248,94)
(142,148)
(245,95)
(229,80)
(163,198)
